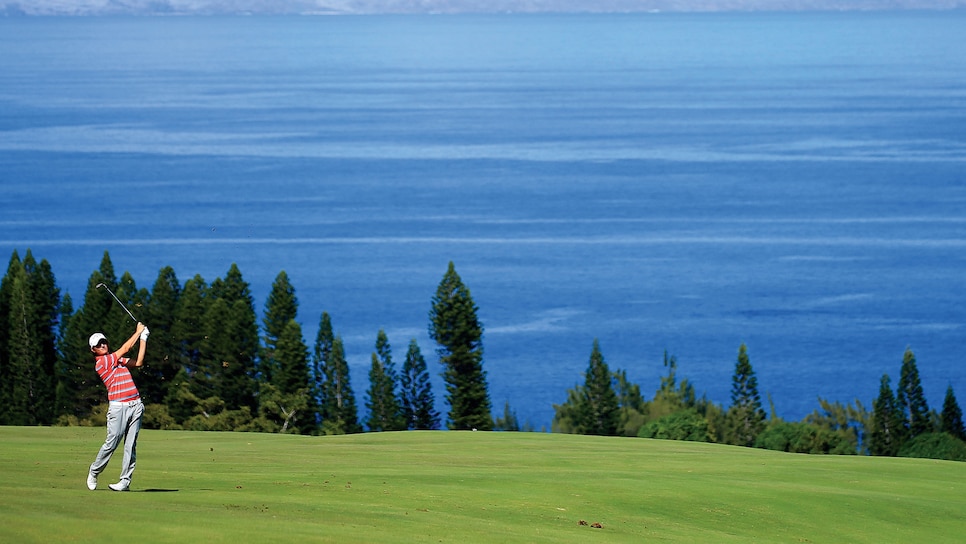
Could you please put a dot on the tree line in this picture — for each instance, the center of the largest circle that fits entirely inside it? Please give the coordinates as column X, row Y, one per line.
column 899, row 424
column 212, row 366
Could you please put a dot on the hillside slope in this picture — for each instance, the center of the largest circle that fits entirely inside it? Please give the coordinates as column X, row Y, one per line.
column 466, row 487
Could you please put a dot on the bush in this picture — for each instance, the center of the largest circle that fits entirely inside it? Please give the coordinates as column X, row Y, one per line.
column 156, row 416
column 683, row 425
column 801, row 437
column 935, row 446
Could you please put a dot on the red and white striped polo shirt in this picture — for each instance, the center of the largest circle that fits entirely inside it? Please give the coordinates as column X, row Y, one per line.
column 117, row 378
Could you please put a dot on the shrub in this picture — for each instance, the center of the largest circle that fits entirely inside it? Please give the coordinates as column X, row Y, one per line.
column 683, row 425
column 802, row 437
column 935, row 446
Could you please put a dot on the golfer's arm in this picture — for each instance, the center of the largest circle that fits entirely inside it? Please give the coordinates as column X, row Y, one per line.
column 122, row 351
column 141, row 347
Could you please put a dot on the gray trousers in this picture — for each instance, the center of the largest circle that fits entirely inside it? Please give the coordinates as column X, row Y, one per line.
column 123, row 422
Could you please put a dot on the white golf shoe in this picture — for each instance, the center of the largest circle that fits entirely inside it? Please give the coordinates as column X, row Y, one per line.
column 120, row 486
column 91, row 481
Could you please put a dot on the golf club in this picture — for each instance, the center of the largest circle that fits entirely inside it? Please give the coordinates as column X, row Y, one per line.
column 99, row 285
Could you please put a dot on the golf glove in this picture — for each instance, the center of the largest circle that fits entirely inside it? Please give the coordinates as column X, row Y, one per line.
column 144, row 334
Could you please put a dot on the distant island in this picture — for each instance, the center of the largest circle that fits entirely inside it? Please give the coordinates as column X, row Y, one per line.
column 13, row 8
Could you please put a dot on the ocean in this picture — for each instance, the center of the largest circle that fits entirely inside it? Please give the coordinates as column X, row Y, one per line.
column 676, row 183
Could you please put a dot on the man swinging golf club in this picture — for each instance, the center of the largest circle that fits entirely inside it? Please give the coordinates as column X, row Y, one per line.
column 124, row 413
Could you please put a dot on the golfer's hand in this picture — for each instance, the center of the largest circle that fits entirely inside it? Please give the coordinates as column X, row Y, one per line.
column 144, row 334
column 139, row 328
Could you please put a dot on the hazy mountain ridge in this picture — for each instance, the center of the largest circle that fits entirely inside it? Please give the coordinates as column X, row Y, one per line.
column 362, row 7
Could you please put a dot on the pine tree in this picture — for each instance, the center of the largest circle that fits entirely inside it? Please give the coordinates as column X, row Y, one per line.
column 886, row 434
column 232, row 287
column 160, row 361
column 292, row 356
column 116, row 324
column 630, row 403
column 566, row 416
column 911, row 400
column 280, row 308
column 230, row 352
column 339, row 412
column 416, row 392
column 64, row 394
column 599, row 412
column 42, row 288
column 508, row 421
column 188, row 328
column 240, row 387
column 457, row 331
column 746, row 418
column 191, row 382
column 952, row 416
column 79, row 388
column 215, row 354
column 321, row 355
column 6, row 318
column 293, row 380
column 134, row 300
column 384, row 411
column 30, row 294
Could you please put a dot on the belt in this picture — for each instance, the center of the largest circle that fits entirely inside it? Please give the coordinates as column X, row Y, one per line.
column 125, row 403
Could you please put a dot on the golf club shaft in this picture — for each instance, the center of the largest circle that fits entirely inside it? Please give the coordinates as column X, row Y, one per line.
column 118, row 301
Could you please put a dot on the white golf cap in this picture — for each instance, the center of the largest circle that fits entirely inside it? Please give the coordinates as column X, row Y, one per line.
column 96, row 339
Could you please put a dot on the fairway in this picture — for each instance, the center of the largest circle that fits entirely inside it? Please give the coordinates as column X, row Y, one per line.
column 465, row 487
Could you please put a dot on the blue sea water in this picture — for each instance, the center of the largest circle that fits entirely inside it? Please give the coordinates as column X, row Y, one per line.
column 687, row 183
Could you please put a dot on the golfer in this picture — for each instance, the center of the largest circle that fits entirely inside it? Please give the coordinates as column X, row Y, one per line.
column 124, row 413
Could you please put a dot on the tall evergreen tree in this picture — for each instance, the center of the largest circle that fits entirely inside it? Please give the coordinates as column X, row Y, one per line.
column 951, row 417
column 79, row 388
column 886, row 434
column 746, row 418
column 240, row 388
column 188, row 328
column 381, row 401
column 599, row 412
column 116, row 323
column 417, row 392
column 293, row 360
column 339, row 412
column 293, row 379
column 671, row 396
column 42, row 287
column 238, row 341
column 630, row 404
column 215, row 353
column 160, row 362
column 508, row 421
column 63, row 392
column 30, row 324
column 191, row 382
column 566, row 416
column 232, row 287
column 322, row 354
column 454, row 325
column 133, row 298
column 911, row 400
column 6, row 318
column 280, row 308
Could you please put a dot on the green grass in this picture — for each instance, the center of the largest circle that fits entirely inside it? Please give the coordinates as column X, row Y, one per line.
column 465, row 488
